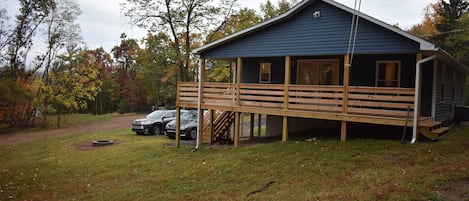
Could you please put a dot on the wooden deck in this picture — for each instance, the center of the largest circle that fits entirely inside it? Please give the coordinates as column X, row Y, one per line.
column 376, row 105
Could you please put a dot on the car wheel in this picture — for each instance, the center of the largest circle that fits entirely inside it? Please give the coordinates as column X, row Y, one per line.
column 193, row 134
column 139, row 133
column 157, row 130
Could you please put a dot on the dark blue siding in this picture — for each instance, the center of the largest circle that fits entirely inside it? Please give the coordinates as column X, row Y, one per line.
column 302, row 34
column 445, row 105
column 363, row 71
column 251, row 69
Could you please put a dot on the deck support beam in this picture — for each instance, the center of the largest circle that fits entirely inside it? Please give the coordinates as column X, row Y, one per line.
column 178, row 126
column 285, row 97
column 251, row 128
column 343, row 129
column 259, row 125
column 211, row 125
column 239, row 73
column 236, row 129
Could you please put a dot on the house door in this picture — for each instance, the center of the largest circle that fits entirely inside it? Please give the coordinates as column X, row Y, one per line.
column 318, row 72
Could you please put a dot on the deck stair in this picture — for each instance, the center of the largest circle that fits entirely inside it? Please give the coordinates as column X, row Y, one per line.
column 432, row 129
column 221, row 124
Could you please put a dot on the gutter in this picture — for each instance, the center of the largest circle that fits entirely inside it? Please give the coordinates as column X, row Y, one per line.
column 416, row 96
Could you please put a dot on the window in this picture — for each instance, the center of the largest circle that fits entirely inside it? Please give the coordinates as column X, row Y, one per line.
column 264, row 76
column 318, row 72
column 388, row 73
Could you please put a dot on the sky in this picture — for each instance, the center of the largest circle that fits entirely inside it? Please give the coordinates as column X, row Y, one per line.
column 101, row 21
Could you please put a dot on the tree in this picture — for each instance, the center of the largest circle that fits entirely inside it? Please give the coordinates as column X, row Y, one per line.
column 453, row 28
column 244, row 18
column 60, row 28
column 155, row 70
column 4, row 34
column 269, row 10
column 107, row 97
column 180, row 19
column 14, row 48
column 73, row 83
column 132, row 95
column 427, row 28
column 32, row 14
column 445, row 24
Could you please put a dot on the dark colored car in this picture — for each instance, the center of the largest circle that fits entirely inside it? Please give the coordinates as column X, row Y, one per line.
column 188, row 126
column 153, row 123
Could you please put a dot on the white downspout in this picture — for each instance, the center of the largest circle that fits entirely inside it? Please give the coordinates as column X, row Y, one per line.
column 416, row 96
column 199, row 105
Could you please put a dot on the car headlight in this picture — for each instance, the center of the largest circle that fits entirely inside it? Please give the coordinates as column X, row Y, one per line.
column 146, row 122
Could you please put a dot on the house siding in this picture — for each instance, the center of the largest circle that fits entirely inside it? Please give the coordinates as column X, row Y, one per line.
column 447, row 79
column 251, row 69
column 303, row 34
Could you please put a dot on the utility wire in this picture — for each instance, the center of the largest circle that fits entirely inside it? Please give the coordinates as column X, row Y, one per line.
column 356, row 30
column 353, row 31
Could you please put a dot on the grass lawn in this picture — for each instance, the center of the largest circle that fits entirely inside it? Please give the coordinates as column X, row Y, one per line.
column 73, row 119
column 143, row 168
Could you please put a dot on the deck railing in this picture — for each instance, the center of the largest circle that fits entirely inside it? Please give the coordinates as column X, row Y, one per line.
column 372, row 101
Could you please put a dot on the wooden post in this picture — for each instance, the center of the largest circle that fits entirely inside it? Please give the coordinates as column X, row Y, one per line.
column 211, row 126
column 343, row 129
column 241, row 124
column 239, row 72
column 200, row 123
column 285, row 97
column 178, row 126
column 251, row 129
column 419, row 96
column 259, row 125
column 236, row 130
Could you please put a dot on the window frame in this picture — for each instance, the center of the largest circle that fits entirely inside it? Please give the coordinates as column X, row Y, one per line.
column 377, row 73
column 262, row 73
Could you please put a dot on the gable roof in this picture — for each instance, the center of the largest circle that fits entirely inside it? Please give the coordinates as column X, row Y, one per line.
column 424, row 45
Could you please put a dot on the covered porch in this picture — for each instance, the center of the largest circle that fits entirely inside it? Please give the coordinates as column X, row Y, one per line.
column 343, row 103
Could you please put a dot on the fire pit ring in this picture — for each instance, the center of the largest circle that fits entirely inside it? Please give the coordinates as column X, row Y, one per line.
column 103, row 142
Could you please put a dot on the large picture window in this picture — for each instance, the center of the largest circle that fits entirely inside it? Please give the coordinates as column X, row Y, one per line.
column 388, row 73
column 318, row 72
column 265, row 71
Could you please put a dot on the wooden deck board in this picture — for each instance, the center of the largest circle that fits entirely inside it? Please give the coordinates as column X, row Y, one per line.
column 375, row 105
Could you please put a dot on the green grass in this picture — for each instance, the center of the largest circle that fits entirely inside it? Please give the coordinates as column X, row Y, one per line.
column 67, row 121
column 142, row 168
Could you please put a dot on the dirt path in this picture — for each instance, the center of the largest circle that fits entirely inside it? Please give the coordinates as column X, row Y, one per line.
column 114, row 123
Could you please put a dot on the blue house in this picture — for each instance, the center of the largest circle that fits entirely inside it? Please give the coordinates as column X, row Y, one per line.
column 297, row 68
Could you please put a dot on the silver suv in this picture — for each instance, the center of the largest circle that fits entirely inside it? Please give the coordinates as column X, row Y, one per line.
column 153, row 123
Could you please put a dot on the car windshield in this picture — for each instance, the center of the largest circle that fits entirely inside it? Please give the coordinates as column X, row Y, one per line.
column 191, row 116
column 156, row 114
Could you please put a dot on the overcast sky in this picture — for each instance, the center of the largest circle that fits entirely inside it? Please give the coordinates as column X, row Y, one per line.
column 101, row 21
